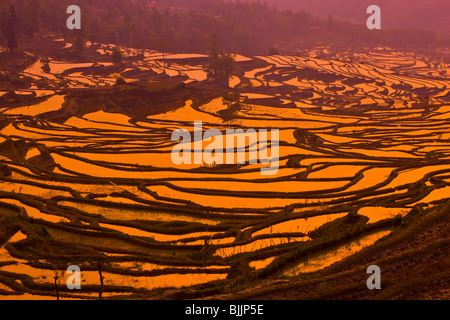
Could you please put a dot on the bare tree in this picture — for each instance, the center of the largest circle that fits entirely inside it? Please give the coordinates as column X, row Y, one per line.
column 100, row 293
column 56, row 277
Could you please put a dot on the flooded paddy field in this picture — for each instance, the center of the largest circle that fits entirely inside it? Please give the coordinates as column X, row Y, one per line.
column 87, row 178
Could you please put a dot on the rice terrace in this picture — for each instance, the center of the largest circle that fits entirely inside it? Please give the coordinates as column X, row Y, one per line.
column 87, row 176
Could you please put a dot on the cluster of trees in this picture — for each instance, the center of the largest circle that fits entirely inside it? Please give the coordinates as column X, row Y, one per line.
column 233, row 103
column 186, row 26
column 180, row 25
column 220, row 65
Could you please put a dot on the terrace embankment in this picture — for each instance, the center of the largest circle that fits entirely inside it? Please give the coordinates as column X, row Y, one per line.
column 138, row 99
column 414, row 263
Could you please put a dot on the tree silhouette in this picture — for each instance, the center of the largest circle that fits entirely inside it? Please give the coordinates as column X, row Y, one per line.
column 228, row 64
column 35, row 18
column 116, row 56
column 164, row 46
column 220, row 66
column 229, row 115
column 11, row 36
column 94, row 31
column 79, row 42
column 13, row 15
column 215, row 48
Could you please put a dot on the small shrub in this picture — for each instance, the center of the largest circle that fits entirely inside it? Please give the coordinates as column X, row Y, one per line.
column 116, row 56
column 119, row 78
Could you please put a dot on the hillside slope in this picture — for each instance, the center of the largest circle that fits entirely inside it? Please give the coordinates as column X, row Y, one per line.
column 173, row 26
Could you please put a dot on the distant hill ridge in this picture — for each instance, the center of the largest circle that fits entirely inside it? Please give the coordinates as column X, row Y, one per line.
column 251, row 28
column 399, row 14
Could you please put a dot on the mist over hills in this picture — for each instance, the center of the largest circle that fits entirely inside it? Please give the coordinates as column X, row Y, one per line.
column 399, row 14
